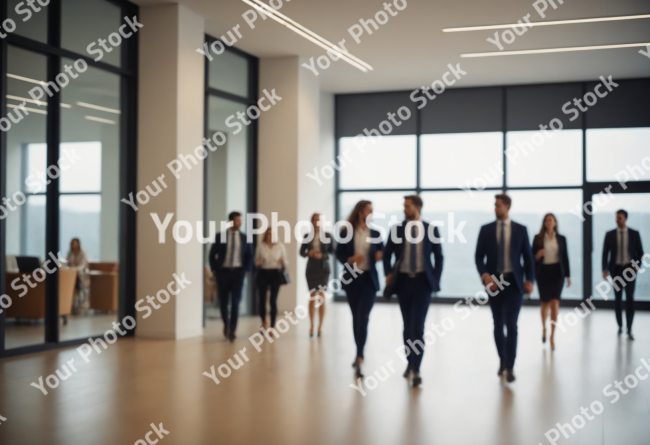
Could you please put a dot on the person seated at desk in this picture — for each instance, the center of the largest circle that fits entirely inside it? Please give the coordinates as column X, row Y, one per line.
column 76, row 259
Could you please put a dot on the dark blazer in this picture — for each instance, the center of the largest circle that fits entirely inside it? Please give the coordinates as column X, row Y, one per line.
column 346, row 250
column 562, row 252
column 433, row 271
column 218, row 253
column 610, row 248
column 314, row 266
column 487, row 253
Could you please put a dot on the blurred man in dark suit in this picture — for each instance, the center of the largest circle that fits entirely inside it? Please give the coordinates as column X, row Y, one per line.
column 501, row 247
column 231, row 256
column 622, row 250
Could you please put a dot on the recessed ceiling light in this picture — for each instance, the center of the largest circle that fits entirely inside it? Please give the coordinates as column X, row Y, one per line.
column 309, row 35
column 32, row 101
column 553, row 50
column 31, row 110
column 556, row 22
column 24, row 79
column 97, row 107
column 99, row 119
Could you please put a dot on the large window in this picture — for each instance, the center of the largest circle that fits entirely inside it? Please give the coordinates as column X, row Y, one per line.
column 470, row 144
column 611, row 150
column 462, row 160
column 72, row 156
column 557, row 162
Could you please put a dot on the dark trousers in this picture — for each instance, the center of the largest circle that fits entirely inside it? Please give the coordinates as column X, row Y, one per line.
column 505, row 313
column 414, row 296
column 361, row 297
column 230, row 283
column 629, row 297
column 268, row 279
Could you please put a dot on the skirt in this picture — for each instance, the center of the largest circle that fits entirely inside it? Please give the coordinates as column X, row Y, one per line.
column 315, row 281
column 550, row 282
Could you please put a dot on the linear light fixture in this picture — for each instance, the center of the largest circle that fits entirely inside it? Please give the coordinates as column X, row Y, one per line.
column 97, row 107
column 24, row 79
column 553, row 50
column 32, row 101
column 32, row 110
column 99, row 119
column 309, row 35
column 556, row 22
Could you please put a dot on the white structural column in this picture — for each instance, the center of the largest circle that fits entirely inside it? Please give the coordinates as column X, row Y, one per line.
column 289, row 147
column 170, row 124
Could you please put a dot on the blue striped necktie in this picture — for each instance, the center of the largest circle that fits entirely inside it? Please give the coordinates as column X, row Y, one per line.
column 231, row 261
column 501, row 259
column 413, row 258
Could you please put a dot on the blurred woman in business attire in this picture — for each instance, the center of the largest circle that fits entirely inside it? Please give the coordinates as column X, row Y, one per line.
column 362, row 290
column 551, row 268
column 77, row 260
column 318, row 270
column 270, row 259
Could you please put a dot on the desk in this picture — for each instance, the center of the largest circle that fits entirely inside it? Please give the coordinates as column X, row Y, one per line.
column 32, row 304
column 103, row 290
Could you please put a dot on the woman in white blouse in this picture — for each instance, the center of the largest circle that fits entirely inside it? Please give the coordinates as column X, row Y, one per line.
column 551, row 268
column 362, row 251
column 270, row 259
column 77, row 260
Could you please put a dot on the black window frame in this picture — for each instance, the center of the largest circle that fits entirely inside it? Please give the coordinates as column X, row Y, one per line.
column 128, row 72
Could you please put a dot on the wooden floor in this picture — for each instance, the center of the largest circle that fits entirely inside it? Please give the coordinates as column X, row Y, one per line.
column 296, row 391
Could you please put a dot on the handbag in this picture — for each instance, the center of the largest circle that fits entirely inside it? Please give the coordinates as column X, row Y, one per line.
column 284, row 276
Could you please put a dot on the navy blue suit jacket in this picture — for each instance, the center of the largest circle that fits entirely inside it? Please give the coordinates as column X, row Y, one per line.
column 219, row 249
column 429, row 248
column 610, row 248
column 487, row 249
column 346, row 250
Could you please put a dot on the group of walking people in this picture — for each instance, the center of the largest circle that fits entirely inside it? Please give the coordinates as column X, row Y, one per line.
column 412, row 261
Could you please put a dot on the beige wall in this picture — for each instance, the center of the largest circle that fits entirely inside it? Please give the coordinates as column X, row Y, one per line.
column 170, row 123
column 290, row 145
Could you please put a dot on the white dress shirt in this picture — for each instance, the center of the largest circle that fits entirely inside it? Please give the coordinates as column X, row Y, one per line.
column 405, row 267
column 233, row 242
column 315, row 243
column 507, row 260
column 271, row 255
column 622, row 237
column 362, row 246
column 551, row 250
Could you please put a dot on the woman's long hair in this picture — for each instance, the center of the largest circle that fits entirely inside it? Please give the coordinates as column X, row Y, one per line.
column 353, row 219
column 539, row 239
column 267, row 234
column 78, row 243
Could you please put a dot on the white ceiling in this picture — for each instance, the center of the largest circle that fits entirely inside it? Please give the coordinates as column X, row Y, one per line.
column 411, row 50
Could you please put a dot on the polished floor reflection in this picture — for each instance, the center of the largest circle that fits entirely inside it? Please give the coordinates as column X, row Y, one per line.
column 296, row 391
column 26, row 333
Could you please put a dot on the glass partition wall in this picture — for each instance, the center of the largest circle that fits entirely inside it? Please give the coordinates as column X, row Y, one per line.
column 63, row 168
column 230, row 172
column 469, row 144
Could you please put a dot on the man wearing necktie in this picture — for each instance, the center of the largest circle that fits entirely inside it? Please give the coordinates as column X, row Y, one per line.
column 501, row 247
column 231, row 257
column 414, row 243
column 622, row 252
